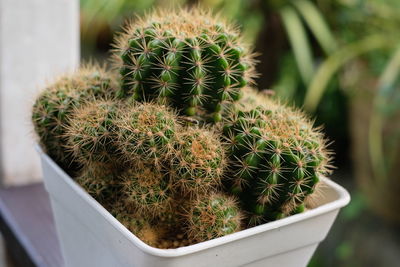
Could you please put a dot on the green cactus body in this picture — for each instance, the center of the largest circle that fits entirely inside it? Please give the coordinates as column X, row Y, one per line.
column 146, row 190
column 55, row 104
column 100, row 181
column 213, row 216
column 277, row 158
column 142, row 228
column 91, row 132
column 187, row 59
column 146, row 132
column 198, row 161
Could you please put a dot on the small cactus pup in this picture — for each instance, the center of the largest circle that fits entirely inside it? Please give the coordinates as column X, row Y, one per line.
column 146, row 190
column 212, row 216
column 91, row 132
column 146, row 231
column 276, row 157
column 55, row 104
column 190, row 59
column 146, row 131
column 100, row 182
column 198, row 161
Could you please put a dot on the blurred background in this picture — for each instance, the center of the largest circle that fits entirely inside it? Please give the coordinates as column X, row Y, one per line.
column 340, row 61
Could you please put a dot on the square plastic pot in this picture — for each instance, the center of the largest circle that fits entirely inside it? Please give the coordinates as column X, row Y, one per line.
column 91, row 236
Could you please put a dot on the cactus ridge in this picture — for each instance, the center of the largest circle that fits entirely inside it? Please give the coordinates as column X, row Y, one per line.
column 277, row 158
column 186, row 58
column 146, row 190
column 213, row 216
column 91, row 132
column 56, row 103
column 146, row 132
column 198, row 162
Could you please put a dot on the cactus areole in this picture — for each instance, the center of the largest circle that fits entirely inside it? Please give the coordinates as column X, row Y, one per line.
column 189, row 59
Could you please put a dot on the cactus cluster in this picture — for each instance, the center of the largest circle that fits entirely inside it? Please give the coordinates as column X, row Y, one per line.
column 188, row 58
column 177, row 148
column 140, row 158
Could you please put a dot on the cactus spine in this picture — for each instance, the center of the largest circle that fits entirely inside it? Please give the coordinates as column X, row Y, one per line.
column 141, row 154
column 100, row 181
column 186, row 58
column 149, row 233
column 55, row 104
column 91, row 132
column 146, row 132
column 198, row 161
column 146, row 190
column 277, row 158
column 213, row 216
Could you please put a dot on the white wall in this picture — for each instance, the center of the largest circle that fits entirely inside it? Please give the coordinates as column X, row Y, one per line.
column 38, row 39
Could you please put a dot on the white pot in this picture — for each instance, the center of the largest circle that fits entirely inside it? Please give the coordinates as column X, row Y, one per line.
column 91, row 236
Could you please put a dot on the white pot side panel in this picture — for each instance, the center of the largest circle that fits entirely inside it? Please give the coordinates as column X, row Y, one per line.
column 39, row 39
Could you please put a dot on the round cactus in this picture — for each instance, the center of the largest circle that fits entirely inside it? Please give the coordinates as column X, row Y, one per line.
column 213, row 216
column 100, row 181
column 143, row 229
column 146, row 131
column 276, row 156
column 198, row 162
column 55, row 104
column 91, row 132
column 189, row 59
column 146, row 190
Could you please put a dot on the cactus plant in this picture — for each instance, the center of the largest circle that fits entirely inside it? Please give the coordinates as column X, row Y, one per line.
column 100, row 182
column 91, row 132
column 189, row 59
column 213, row 216
column 277, row 157
column 146, row 231
column 54, row 105
column 143, row 153
column 198, row 162
column 146, row 132
column 146, row 190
